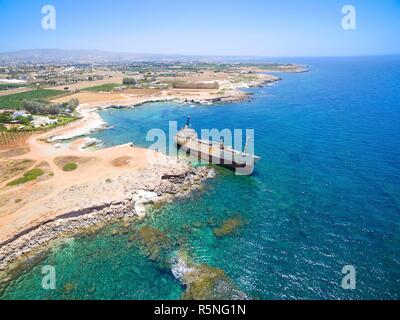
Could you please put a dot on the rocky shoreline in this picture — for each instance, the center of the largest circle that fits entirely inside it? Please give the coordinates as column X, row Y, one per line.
column 124, row 196
column 138, row 190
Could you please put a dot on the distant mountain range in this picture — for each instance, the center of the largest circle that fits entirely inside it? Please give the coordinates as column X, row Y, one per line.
column 98, row 56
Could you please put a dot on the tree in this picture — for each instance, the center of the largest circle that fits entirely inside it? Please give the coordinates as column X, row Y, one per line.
column 35, row 107
column 5, row 118
column 129, row 81
column 73, row 103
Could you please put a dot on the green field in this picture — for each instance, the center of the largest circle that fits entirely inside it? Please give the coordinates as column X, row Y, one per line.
column 103, row 87
column 6, row 86
column 14, row 101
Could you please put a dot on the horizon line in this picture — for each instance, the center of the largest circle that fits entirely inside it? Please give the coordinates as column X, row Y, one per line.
column 209, row 55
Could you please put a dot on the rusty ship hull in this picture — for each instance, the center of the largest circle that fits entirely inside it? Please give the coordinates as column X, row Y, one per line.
column 211, row 152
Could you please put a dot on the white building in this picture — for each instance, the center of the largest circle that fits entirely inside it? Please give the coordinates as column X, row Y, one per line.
column 20, row 113
column 43, row 121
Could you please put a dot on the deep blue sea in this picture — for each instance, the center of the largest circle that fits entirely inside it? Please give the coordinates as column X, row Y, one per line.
column 326, row 194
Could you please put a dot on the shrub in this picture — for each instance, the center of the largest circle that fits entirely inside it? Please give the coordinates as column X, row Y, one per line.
column 71, row 166
column 28, row 176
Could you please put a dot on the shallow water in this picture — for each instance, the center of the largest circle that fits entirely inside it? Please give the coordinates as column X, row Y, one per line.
column 325, row 194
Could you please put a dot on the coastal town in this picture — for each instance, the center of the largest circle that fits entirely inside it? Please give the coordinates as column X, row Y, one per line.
column 37, row 97
column 55, row 180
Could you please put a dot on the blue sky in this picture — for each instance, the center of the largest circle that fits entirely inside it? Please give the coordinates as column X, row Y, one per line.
column 217, row 27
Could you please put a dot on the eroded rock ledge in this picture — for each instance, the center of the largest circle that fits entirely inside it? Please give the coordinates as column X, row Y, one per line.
column 123, row 196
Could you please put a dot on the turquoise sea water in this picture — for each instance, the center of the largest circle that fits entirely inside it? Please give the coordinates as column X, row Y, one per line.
column 325, row 194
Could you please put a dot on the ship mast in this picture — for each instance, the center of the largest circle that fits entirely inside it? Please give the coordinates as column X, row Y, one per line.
column 188, row 122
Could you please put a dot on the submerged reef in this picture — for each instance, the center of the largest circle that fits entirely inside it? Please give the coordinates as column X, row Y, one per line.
column 153, row 242
column 229, row 226
column 204, row 282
